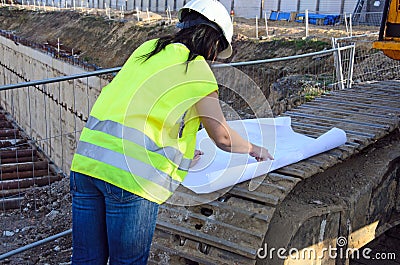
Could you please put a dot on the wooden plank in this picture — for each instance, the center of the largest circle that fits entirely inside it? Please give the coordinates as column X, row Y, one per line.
column 22, row 167
column 9, row 132
column 12, row 192
column 18, row 160
column 28, row 182
column 5, row 124
column 17, row 153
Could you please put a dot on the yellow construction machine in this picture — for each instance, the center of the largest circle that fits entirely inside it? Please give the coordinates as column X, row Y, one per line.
column 389, row 35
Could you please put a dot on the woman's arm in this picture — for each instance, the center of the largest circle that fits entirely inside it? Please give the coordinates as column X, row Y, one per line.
column 224, row 137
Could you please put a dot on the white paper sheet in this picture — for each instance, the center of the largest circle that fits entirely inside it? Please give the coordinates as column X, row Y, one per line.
column 218, row 169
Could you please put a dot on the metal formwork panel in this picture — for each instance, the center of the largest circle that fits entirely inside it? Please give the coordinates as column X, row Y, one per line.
column 130, row 5
column 161, row 6
column 149, row 5
column 329, row 6
column 170, row 4
column 248, row 9
column 288, row 5
column 270, row 6
column 349, row 6
column 308, row 4
column 179, row 4
column 143, row 5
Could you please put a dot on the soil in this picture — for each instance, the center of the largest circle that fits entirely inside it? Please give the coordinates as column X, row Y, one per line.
column 44, row 212
column 108, row 43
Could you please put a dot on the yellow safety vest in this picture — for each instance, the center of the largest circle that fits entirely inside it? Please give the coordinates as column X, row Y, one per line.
column 133, row 138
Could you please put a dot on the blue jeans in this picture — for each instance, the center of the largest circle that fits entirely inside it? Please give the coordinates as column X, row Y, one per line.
column 109, row 223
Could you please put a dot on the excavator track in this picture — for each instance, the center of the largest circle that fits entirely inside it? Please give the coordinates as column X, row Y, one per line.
column 229, row 226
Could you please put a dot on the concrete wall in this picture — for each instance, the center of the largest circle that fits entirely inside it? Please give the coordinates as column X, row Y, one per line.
column 52, row 114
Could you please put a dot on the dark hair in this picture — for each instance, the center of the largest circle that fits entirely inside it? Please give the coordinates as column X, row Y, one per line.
column 201, row 39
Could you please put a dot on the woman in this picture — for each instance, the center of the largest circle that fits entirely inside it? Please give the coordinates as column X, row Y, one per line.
column 138, row 143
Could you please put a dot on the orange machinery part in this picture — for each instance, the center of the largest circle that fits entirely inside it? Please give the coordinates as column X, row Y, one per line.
column 390, row 44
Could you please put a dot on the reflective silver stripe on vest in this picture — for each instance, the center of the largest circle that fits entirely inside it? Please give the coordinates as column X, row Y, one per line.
column 128, row 164
column 130, row 134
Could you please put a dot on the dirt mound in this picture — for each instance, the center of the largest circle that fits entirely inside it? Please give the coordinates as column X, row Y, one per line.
column 108, row 43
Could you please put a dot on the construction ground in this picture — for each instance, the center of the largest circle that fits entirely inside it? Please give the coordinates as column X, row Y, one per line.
column 108, row 43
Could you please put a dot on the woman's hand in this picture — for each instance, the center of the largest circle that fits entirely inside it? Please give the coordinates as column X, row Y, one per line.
column 196, row 158
column 223, row 136
column 260, row 153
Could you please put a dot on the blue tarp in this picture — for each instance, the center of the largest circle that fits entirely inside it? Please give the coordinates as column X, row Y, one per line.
column 313, row 18
column 279, row 16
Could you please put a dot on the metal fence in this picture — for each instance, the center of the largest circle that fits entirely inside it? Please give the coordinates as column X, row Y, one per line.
column 51, row 113
column 369, row 64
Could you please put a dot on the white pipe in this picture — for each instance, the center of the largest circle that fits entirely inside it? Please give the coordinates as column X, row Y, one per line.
column 266, row 25
column 306, row 18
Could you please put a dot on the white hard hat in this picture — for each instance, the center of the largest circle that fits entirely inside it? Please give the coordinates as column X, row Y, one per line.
column 215, row 12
